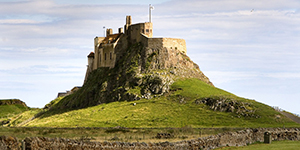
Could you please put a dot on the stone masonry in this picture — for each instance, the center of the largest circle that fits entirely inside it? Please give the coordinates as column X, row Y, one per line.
column 239, row 138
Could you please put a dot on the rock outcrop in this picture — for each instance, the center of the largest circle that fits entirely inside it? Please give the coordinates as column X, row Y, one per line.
column 225, row 104
column 141, row 72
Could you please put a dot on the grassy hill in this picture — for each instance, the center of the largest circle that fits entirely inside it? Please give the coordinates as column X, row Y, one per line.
column 11, row 108
column 178, row 108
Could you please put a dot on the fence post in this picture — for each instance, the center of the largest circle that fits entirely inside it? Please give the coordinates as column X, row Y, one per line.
column 23, row 146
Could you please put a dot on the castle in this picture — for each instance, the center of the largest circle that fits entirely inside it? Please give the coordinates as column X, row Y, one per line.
column 108, row 50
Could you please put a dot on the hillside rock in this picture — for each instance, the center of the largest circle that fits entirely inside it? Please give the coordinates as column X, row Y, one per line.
column 225, row 104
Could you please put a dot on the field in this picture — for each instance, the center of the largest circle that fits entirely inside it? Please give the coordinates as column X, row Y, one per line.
column 276, row 145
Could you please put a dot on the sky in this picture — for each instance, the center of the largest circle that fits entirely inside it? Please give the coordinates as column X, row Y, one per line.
column 249, row 48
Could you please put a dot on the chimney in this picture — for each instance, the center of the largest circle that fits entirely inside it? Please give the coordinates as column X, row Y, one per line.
column 109, row 32
column 120, row 30
column 128, row 20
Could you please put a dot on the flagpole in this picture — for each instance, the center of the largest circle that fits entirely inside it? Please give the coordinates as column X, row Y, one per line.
column 149, row 12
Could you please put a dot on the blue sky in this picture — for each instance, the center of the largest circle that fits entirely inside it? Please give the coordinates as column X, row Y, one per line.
column 249, row 48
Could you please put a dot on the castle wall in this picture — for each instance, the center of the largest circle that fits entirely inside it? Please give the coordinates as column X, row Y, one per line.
column 107, row 56
column 155, row 42
column 177, row 44
column 135, row 30
column 121, row 47
column 170, row 43
column 97, row 41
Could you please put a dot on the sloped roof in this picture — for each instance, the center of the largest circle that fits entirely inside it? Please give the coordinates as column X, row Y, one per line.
column 91, row 54
column 111, row 38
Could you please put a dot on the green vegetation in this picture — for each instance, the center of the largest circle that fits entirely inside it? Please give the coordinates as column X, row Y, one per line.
column 24, row 117
column 176, row 109
column 10, row 109
column 276, row 145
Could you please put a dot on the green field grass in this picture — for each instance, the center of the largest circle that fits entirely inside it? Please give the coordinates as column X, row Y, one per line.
column 165, row 111
column 24, row 116
column 8, row 112
column 276, row 145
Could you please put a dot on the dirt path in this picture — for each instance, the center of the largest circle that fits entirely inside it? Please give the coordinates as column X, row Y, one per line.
column 293, row 117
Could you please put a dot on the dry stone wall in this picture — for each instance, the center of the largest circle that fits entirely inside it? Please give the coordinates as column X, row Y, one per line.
column 239, row 138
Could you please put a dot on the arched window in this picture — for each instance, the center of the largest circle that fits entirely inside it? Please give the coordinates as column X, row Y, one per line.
column 110, row 56
column 105, row 56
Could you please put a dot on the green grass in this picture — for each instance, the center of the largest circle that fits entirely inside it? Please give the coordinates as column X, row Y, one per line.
column 9, row 111
column 276, row 145
column 194, row 88
column 23, row 116
column 165, row 111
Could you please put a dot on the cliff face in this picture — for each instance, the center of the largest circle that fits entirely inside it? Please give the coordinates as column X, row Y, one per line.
column 141, row 72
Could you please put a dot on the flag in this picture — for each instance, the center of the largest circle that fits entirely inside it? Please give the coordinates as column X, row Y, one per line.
column 151, row 7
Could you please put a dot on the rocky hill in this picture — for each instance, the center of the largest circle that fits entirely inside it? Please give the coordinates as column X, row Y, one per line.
column 157, row 87
column 12, row 102
column 140, row 73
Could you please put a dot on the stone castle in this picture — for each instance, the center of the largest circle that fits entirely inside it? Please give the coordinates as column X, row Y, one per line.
column 108, row 50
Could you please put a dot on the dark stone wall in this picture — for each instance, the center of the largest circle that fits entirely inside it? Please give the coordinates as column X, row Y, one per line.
column 239, row 138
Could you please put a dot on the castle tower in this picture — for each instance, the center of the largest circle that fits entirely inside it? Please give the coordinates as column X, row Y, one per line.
column 90, row 65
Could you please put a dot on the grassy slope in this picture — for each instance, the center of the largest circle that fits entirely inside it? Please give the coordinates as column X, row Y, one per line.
column 8, row 111
column 165, row 111
column 276, row 145
column 24, row 116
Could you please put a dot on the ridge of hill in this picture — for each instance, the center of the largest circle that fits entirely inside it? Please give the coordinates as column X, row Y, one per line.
column 12, row 102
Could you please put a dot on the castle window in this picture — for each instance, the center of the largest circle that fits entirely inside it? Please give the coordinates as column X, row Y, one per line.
column 105, row 56
column 110, row 56
column 100, row 57
column 147, row 30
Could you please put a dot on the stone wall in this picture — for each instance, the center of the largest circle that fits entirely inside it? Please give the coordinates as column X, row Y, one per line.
column 155, row 42
column 9, row 143
column 169, row 43
column 177, row 44
column 239, row 138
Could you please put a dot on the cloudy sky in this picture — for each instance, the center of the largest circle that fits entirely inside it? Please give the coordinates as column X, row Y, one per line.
column 249, row 48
